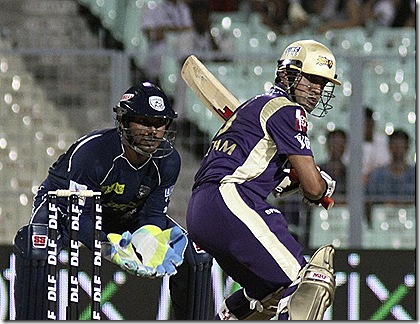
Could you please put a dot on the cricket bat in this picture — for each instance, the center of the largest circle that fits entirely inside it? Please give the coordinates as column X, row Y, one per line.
column 219, row 100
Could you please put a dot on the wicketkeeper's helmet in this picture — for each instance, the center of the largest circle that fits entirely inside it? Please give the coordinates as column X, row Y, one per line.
column 145, row 100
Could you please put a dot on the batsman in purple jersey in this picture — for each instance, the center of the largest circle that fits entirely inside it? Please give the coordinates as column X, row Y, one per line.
column 135, row 167
column 249, row 157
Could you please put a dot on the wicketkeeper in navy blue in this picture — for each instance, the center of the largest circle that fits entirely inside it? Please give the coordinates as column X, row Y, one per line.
column 135, row 167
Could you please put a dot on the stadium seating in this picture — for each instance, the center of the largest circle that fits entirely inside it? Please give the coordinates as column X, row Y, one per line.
column 393, row 227
column 32, row 135
column 329, row 227
column 34, row 129
column 391, row 77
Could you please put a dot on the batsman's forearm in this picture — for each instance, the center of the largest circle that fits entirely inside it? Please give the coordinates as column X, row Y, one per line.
column 326, row 202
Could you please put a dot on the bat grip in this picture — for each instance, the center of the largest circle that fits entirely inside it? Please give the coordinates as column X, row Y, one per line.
column 326, row 202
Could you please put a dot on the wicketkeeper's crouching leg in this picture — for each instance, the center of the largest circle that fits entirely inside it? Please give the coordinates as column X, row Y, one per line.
column 191, row 286
column 31, row 273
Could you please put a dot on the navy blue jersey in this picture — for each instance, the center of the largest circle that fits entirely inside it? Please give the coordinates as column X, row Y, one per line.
column 131, row 196
column 275, row 128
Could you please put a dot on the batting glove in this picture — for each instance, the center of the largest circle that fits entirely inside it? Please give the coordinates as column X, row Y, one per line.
column 160, row 250
column 287, row 187
column 119, row 250
column 330, row 183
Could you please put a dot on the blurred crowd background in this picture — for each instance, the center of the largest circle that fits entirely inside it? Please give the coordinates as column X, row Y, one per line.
column 64, row 65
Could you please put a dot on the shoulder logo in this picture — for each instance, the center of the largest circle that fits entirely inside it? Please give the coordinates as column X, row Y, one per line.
column 168, row 191
column 157, row 103
column 300, row 121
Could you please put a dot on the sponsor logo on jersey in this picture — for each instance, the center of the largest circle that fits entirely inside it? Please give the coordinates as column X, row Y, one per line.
column 303, row 141
column 116, row 187
column 120, row 207
column 272, row 211
column 143, row 191
column 292, row 51
column 39, row 241
column 300, row 122
column 157, row 103
column 127, row 96
column 168, row 191
column 225, row 146
column 322, row 60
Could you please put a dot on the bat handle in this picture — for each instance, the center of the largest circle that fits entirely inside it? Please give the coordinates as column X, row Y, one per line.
column 326, row 202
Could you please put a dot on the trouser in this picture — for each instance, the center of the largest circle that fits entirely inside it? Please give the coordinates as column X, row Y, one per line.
column 248, row 238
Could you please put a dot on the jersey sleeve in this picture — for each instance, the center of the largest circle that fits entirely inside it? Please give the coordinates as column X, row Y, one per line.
column 156, row 207
column 288, row 128
column 84, row 173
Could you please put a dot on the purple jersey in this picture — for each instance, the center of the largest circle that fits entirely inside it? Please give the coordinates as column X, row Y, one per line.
column 228, row 215
column 275, row 127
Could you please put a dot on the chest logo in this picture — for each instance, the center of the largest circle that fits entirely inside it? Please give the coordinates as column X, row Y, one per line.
column 116, row 187
column 143, row 191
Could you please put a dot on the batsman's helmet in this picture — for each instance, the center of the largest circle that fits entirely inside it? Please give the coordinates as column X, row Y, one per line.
column 312, row 58
column 145, row 100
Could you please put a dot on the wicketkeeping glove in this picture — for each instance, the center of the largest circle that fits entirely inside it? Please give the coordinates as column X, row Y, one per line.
column 160, row 250
column 119, row 250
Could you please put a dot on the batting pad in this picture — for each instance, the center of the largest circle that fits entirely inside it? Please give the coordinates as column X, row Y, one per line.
column 315, row 292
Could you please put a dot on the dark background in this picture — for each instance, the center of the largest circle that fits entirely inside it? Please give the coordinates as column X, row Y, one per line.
column 138, row 298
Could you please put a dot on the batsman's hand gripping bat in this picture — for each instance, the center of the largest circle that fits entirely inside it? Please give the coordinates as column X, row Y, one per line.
column 219, row 100
column 326, row 202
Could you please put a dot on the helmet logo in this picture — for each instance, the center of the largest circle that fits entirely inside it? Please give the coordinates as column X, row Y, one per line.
column 127, row 96
column 322, row 60
column 292, row 51
column 157, row 103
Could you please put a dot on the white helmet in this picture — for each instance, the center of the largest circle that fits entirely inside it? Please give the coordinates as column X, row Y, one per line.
column 310, row 57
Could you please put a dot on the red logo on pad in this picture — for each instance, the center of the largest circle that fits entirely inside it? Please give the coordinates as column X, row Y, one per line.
column 39, row 241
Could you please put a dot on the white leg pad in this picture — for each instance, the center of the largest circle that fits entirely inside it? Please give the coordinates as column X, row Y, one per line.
column 315, row 292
